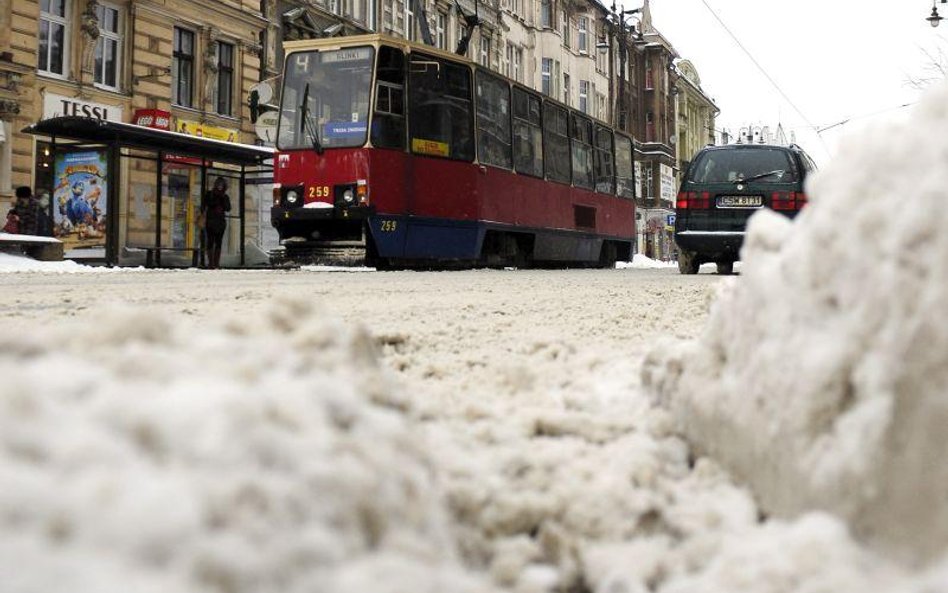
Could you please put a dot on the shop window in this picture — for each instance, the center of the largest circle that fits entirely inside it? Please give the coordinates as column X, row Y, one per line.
column 493, row 121
column 556, row 143
column 625, row 178
column 527, row 134
column 604, row 161
column 581, row 151
column 441, row 114
column 225, row 78
column 108, row 49
column 53, row 49
column 182, row 68
column 388, row 125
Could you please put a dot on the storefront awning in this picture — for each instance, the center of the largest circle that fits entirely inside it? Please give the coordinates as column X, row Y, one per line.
column 86, row 129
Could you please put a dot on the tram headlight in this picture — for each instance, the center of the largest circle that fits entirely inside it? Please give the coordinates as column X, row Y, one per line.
column 348, row 196
column 292, row 197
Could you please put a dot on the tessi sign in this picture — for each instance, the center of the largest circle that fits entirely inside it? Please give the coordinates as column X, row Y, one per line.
column 57, row 105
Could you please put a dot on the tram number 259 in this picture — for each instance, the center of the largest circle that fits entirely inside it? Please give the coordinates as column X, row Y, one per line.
column 389, row 226
column 319, row 191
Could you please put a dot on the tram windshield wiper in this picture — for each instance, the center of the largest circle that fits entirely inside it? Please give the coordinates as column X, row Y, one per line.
column 759, row 176
column 307, row 125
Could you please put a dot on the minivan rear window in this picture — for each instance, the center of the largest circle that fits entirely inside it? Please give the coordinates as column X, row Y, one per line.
column 731, row 165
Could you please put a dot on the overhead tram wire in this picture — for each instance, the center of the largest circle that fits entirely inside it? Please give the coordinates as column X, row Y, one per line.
column 852, row 117
column 762, row 70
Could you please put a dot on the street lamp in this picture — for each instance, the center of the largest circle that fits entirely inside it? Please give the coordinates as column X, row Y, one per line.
column 618, row 29
column 935, row 18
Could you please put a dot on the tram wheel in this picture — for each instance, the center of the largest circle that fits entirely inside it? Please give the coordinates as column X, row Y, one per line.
column 607, row 255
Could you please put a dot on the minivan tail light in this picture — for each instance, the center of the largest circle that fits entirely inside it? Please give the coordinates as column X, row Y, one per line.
column 784, row 201
column 690, row 200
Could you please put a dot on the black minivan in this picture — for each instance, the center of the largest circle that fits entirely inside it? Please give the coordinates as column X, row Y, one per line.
column 722, row 187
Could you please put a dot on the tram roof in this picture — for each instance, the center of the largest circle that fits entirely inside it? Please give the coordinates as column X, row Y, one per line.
column 87, row 129
column 374, row 39
column 371, row 39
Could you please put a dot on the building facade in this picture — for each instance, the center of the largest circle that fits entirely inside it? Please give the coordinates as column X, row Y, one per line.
column 182, row 65
column 696, row 116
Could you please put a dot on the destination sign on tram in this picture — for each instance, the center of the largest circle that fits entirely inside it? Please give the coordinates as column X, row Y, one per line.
column 346, row 55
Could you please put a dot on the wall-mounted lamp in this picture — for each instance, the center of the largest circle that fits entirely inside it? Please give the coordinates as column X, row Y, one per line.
column 602, row 45
column 935, row 18
column 155, row 73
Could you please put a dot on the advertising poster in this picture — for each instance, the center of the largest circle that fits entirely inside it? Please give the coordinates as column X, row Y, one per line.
column 80, row 198
column 194, row 128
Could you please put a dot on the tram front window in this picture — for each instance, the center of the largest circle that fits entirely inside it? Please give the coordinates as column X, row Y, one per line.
column 335, row 86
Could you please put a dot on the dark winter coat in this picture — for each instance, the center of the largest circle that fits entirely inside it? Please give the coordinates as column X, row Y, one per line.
column 215, row 207
column 27, row 211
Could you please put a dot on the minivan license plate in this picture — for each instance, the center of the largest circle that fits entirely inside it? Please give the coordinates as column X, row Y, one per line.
column 739, row 201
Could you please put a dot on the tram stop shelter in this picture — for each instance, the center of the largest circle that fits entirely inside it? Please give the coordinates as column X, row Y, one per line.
column 132, row 194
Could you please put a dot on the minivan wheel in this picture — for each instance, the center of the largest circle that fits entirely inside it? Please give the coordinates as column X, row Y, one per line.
column 725, row 268
column 688, row 262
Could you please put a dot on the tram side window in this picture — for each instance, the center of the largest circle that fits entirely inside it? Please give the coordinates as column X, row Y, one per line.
column 605, row 169
column 581, row 151
column 624, row 168
column 493, row 121
column 527, row 134
column 556, row 143
column 388, row 121
column 441, row 117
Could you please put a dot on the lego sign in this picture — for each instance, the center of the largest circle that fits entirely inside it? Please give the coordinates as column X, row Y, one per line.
column 153, row 118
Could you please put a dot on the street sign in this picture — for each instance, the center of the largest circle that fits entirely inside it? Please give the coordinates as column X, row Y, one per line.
column 670, row 220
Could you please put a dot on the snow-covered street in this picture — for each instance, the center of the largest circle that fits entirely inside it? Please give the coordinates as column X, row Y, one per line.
column 522, row 431
column 494, row 436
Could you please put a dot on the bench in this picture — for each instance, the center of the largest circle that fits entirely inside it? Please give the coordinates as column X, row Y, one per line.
column 153, row 255
column 37, row 247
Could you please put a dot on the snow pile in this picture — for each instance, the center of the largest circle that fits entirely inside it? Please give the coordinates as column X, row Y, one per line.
column 20, row 263
column 585, row 487
column 643, row 262
column 822, row 377
column 269, row 454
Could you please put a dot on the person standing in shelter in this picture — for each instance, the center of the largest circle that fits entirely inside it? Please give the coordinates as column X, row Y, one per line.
column 26, row 210
column 215, row 207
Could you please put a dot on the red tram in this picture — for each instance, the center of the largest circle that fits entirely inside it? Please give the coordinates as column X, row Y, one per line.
column 400, row 154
